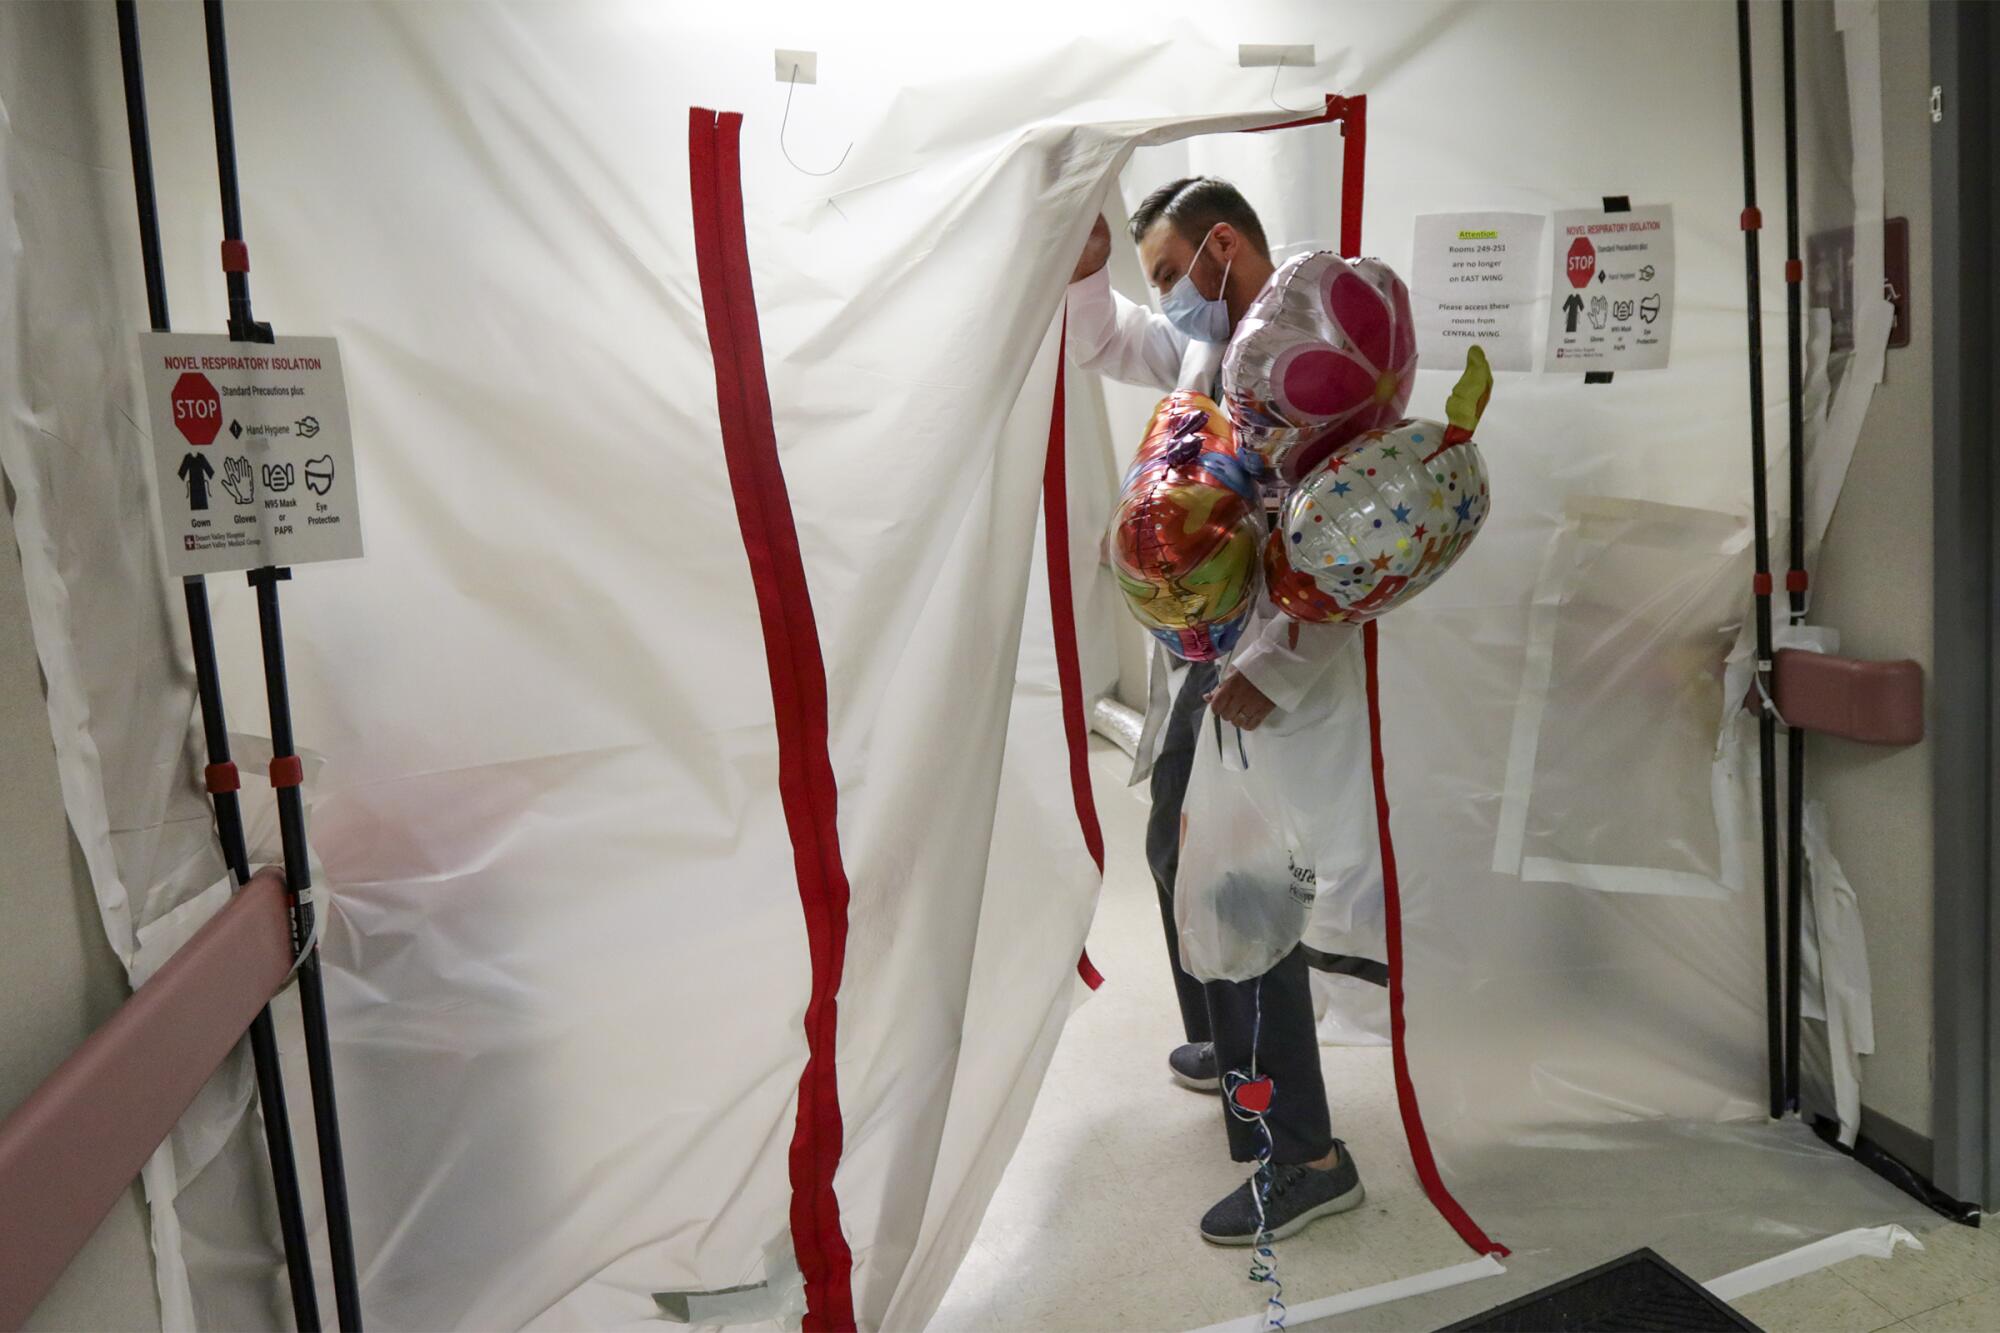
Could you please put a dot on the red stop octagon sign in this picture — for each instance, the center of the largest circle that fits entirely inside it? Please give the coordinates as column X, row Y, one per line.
column 1582, row 261
column 197, row 408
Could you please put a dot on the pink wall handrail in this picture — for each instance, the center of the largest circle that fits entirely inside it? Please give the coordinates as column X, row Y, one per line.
column 70, row 1150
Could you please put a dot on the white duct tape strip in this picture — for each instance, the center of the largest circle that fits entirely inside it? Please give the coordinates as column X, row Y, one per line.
column 1859, row 22
column 1402, row 1289
column 1869, row 1242
column 1551, row 585
column 1620, row 879
column 778, row 1301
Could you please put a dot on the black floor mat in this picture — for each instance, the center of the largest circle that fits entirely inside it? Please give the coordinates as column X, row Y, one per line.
column 1640, row 1293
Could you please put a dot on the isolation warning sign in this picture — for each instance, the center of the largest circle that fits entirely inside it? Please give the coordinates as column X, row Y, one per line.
column 251, row 451
column 1613, row 303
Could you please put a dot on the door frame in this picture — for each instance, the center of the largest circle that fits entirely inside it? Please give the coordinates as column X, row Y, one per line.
column 1965, row 48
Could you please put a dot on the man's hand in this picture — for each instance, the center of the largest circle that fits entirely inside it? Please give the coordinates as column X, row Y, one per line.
column 1095, row 251
column 1239, row 702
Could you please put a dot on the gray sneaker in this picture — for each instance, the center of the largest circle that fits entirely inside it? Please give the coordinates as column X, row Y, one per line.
column 1193, row 1066
column 1298, row 1195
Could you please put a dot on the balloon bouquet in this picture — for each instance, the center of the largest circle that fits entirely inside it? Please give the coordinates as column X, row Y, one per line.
column 1314, row 386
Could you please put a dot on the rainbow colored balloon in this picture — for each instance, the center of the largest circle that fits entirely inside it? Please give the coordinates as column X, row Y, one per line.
column 1326, row 353
column 1385, row 517
column 1187, row 527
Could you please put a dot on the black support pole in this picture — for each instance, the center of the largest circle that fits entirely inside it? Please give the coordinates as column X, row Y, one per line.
column 133, row 65
column 1795, row 575
column 1767, row 734
column 214, row 724
column 242, row 326
column 285, row 779
column 312, row 985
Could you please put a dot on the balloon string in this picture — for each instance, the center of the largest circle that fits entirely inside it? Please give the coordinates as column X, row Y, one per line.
column 1263, row 1260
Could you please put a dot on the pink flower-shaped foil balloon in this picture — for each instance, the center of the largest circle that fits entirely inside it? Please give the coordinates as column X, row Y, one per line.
column 1326, row 353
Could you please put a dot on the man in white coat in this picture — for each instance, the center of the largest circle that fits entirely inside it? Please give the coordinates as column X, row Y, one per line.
column 1204, row 249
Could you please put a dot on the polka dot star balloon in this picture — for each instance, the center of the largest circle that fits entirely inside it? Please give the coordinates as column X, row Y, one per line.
column 1326, row 353
column 1186, row 531
column 1384, row 518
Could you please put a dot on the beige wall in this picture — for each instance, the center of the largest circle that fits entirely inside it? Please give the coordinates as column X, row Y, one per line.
column 1874, row 586
column 58, row 977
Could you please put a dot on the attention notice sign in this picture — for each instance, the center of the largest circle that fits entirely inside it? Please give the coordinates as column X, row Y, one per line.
column 1474, row 281
column 251, row 451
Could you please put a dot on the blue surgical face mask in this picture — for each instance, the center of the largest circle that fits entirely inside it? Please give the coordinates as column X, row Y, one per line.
column 1200, row 318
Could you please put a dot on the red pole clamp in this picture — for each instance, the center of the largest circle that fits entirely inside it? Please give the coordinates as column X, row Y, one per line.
column 221, row 777
column 1795, row 272
column 1795, row 581
column 287, row 771
column 235, row 257
column 1761, row 585
column 1753, row 219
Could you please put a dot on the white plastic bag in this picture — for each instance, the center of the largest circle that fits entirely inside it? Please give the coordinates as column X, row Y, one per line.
column 1247, row 879
column 1278, row 840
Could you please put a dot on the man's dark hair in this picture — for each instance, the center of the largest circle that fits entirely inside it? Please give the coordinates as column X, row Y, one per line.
column 1194, row 204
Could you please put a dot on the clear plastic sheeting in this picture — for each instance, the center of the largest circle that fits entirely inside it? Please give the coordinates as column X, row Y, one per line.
column 1351, row 1010
column 1632, row 611
column 565, row 950
column 1860, row 1243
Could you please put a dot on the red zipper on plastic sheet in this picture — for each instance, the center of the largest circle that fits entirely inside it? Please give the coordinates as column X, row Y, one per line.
column 1406, row 1090
column 1353, row 115
column 1062, row 611
column 798, row 694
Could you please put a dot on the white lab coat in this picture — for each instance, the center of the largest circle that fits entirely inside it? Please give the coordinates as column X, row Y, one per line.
column 1314, row 675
